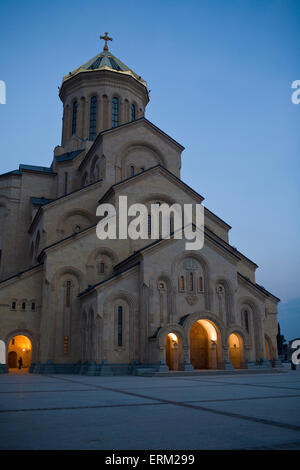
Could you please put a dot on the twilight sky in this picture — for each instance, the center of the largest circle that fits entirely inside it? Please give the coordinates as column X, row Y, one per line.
column 220, row 75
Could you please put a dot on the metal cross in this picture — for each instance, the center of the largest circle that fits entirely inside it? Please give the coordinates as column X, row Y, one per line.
column 106, row 38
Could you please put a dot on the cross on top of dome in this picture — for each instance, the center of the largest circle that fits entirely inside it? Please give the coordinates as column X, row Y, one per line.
column 106, row 38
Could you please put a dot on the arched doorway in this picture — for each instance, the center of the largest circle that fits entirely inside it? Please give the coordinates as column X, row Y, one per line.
column 236, row 350
column 2, row 352
column 268, row 349
column 19, row 347
column 203, row 345
column 173, row 351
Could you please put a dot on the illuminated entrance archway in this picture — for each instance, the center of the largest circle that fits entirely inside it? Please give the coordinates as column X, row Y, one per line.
column 236, row 350
column 19, row 347
column 173, row 351
column 269, row 353
column 203, row 345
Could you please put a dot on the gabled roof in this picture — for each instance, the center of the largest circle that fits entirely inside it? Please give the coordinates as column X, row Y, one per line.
column 39, row 169
column 119, row 273
column 125, row 125
column 37, row 215
column 23, row 167
column 145, row 172
column 20, row 273
column 258, row 287
column 13, row 172
column 121, row 267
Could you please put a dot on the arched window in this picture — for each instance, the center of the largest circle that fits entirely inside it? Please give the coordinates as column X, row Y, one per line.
column 246, row 320
column 13, row 305
column 93, row 117
column 131, row 171
column 181, row 283
column 201, row 284
column 133, row 112
column 74, row 118
column 101, row 268
column 115, row 112
column 191, row 281
column 23, row 305
column 120, row 326
column 68, row 294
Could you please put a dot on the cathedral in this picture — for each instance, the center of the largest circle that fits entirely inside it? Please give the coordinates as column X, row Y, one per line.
column 72, row 303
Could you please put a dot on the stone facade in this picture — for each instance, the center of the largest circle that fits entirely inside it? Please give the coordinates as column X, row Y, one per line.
column 120, row 306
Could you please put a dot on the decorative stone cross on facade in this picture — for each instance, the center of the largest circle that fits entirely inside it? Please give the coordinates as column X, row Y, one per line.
column 106, row 38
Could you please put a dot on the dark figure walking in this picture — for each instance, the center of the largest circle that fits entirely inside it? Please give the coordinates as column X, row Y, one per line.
column 20, row 361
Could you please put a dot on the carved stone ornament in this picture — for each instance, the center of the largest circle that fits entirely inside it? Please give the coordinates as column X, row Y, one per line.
column 191, row 299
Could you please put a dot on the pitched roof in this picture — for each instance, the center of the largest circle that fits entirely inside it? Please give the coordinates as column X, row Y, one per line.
column 39, row 169
column 68, row 155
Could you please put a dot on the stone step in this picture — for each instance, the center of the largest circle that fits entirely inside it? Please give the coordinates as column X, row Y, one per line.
column 145, row 371
column 205, row 372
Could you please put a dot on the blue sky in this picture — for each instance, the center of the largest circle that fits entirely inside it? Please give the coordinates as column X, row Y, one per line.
column 220, row 74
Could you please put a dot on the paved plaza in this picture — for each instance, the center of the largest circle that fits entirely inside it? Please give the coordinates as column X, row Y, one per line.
column 258, row 411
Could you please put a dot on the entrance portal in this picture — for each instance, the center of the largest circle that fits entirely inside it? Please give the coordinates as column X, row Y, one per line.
column 203, row 345
column 236, row 355
column 19, row 348
column 173, row 351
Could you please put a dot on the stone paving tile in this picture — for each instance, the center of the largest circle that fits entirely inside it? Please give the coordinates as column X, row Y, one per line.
column 147, row 427
column 283, row 410
column 218, row 412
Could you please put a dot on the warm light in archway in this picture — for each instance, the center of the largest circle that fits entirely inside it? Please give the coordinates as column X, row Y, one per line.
column 210, row 329
column 21, row 342
column 234, row 341
column 173, row 336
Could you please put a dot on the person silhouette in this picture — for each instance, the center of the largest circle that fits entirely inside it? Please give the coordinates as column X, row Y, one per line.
column 20, row 361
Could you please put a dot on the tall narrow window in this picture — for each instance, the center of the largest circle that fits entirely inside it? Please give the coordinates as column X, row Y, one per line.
column 115, row 112
column 131, row 171
column 93, row 117
column 181, row 283
column 66, row 344
column 133, row 112
column 191, row 281
column 120, row 326
column 201, row 284
column 74, row 119
column 68, row 294
column 13, row 305
column 101, row 268
column 246, row 320
column 149, row 226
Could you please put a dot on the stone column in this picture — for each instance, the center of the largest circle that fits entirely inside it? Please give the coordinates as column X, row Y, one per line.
column 228, row 365
column 186, row 365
